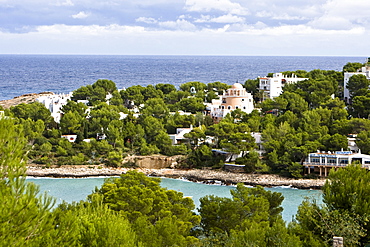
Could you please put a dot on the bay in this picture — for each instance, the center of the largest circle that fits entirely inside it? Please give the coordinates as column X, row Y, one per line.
column 76, row 189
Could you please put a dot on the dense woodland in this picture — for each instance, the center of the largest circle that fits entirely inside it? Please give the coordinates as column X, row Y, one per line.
column 133, row 210
column 306, row 117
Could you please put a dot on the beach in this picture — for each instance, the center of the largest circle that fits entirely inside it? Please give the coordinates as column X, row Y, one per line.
column 195, row 175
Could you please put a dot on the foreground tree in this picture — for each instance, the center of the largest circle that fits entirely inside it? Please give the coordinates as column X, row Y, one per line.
column 25, row 218
column 346, row 211
column 160, row 217
column 252, row 217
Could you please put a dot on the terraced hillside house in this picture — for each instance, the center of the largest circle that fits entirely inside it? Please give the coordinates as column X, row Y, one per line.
column 273, row 86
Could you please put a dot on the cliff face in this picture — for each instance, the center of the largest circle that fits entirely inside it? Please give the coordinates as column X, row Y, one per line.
column 152, row 162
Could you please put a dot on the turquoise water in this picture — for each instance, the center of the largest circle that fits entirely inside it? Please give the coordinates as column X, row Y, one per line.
column 76, row 189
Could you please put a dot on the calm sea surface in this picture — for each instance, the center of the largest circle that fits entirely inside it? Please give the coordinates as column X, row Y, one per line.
column 76, row 189
column 22, row 74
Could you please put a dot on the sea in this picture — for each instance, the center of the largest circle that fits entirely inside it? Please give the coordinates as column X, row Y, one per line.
column 76, row 189
column 24, row 74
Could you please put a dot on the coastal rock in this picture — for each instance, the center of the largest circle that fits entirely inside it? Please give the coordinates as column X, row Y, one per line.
column 25, row 98
column 152, row 162
column 204, row 176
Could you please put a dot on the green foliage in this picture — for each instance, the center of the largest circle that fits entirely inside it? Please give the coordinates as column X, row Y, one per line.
column 192, row 105
column 352, row 67
column 252, row 217
column 94, row 224
column 252, row 162
column 198, row 86
column 345, row 213
column 165, row 88
column 247, row 205
column 34, row 111
column 358, row 85
column 316, row 226
column 155, row 107
column 360, row 106
column 159, row 217
column 202, row 156
column 32, row 129
column 363, row 141
column 25, row 218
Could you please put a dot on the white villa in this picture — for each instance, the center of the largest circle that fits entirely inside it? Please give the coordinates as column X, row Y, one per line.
column 54, row 104
column 273, row 86
column 179, row 136
column 234, row 98
column 363, row 71
column 323, row 162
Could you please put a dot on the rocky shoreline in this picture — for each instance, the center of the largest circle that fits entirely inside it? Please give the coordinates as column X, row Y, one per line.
column 204, row 176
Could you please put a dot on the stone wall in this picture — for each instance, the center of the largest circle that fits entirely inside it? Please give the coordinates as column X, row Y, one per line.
column 152, row 162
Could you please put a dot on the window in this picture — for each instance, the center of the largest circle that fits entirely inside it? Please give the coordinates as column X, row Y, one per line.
column 315, row 160
column 229, row 107
column 242, row 99
column 367, row 161
column 223, row 107
column 236, row 107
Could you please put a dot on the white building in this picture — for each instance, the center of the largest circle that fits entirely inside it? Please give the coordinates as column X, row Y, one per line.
column 234, row 98
column 363, row 71
column 179, row 136
column 54, row 104
column 273, row 86
column 352, row 145
column 323, row 162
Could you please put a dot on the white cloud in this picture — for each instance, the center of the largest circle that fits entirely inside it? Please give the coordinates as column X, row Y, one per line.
column 219, row 5
column 221, row 19
column 179, row 24
column 231, row 39
column 94, row 30
column 342, row 14
column 81, row 15
column 279, row 16
column 147, row 20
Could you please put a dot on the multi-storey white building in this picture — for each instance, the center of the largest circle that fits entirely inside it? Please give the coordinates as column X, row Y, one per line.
column 323, row 162
column 273, row 86
column 54, row 104
column 363, row 71
column 234, row 98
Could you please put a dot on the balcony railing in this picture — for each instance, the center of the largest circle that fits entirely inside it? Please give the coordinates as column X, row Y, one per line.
column 324, row 164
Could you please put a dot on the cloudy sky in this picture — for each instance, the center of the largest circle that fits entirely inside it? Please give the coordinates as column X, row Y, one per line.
column 186, row 27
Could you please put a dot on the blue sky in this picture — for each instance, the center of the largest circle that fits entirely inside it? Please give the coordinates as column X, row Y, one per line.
column 186, row 27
